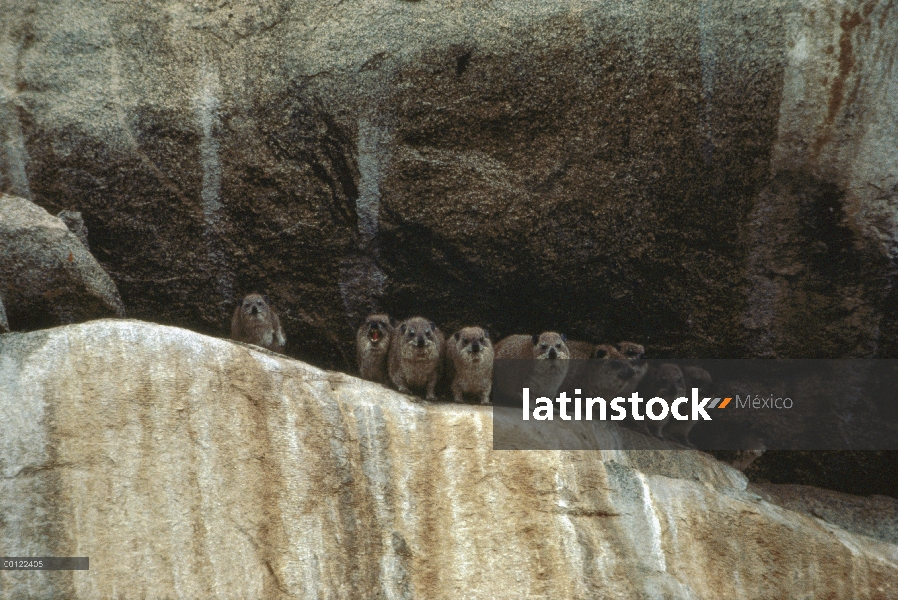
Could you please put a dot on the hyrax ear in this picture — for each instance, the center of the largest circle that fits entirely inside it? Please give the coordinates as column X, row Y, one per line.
column 600, row 353
column 433, row 325
column 534, row 339
column 265, row 298
column 486, row 334
column 457, row 335
column 392, row 322
column 402, row 328
column 563, row 338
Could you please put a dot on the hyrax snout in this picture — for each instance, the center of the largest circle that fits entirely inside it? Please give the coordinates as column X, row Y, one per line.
column 470, row 360
column 415, row 361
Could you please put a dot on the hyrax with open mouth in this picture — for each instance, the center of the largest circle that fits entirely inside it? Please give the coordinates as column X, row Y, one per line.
column 372, row 343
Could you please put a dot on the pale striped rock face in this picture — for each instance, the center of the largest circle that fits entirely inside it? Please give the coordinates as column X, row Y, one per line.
column 186, row 466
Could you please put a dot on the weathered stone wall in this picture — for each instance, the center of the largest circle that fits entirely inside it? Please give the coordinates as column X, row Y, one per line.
column 191, row 467
column 713, row 178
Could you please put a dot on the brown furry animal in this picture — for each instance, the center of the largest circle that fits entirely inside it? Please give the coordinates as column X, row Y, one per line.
column 372, row 342
column 665, row 381
column 416, row 353
column 635, row 355
column 256, row 323
column 547, row 345
column 469, row 355
column 611, row 376
column 580, row 352
column 678, row 431
column 549, row 349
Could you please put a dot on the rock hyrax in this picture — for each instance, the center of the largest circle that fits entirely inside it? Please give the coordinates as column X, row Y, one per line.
column 580, row 352
column 665, row 381
column 256, row 323
column 609, row 375
column 372, row 342
column 416, row 353
column 552, row 355
column 678, row 431
column 469, row 356
column 635, row 355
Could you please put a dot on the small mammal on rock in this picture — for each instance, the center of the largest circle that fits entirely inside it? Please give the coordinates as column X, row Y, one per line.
column 580, row 350
column 416, row 353
column 550, row 350
column 609, row 378
column 469, row 355
column 667, row 382
column 547, row 345
column 372, row 343
column 635, row 355
column 576, row 372
column 255, row 322
column 678, row 431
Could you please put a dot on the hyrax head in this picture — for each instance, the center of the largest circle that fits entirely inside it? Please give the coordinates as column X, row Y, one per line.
column 473, row 341
column 255, row 306
column 550, row 345
column 378, row 329
column 619, row 364
column 671, row 381
column 418, row 332
column 698, row 378
column 633, row 352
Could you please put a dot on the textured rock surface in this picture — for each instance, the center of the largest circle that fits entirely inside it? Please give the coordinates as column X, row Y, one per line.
column 711, row 178
column 874, row 516
column 47, row 276
column 193, row 467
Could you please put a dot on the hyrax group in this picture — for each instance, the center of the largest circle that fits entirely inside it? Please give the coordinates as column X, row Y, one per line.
column 414, row 356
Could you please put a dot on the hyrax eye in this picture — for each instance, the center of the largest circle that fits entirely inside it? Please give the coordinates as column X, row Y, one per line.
column 543, row 346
